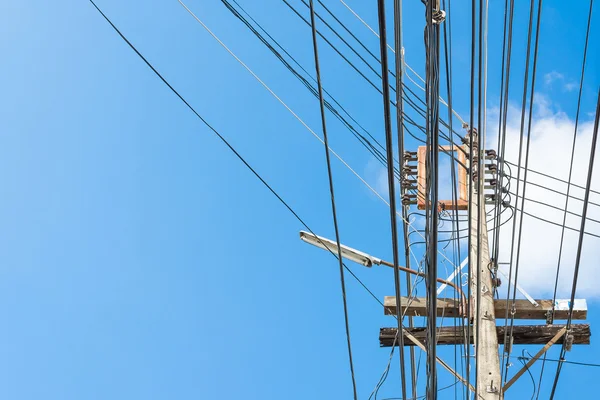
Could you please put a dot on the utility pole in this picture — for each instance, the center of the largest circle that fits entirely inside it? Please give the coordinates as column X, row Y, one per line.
column 482, row 291
column 481, row 315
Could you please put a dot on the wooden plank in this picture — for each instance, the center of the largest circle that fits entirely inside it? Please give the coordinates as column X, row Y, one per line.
column 448, row 307
column 522, row 334
column 461, row 202
column 544, row 349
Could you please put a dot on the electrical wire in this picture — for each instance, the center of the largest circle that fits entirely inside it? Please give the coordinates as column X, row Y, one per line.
column 502, row 133
column 405, row 64
column 353, row 66
column 522, row 361
column 509, row 332
column 431, row 38
column 229, row 146
column 391, row 179
column 530, row 116
column 332, row 195
column 572, row 184
column 580, row 243
column 581, row 79
column 399, row 64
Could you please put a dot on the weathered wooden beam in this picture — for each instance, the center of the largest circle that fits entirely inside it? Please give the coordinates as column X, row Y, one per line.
column 448, row 307
column 522, row 334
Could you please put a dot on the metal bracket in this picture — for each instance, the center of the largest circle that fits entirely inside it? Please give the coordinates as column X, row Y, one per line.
column 438, row 16
column 488, row 316
column 491, row 388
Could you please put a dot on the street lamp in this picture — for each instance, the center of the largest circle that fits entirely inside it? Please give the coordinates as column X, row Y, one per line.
column 368, row 260
column 347, row 252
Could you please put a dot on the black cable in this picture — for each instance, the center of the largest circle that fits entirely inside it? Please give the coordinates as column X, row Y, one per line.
column 470, row 197
column 331, row 192
column 238, row 155
column 371, row 83
column 556, row 191
column 343, row 40
column 581, row 79
column 565, row 362
column 503, row 118
column 455, row 219
column 560, row 209
column 508, row 332
column 399, row 67
column 350, row 32
column 580, row 243
column 480, row 196
column 555, row 178
column 530, row 116
column 496, row 237
column 465, row 237
column 391, row 177
column 432, row 33
column 376, row 152
column 521, row 359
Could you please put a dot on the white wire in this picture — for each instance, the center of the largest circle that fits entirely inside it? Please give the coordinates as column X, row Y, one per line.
column 302, row 122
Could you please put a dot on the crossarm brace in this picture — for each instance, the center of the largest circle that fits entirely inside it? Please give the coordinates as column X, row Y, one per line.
column 544, row 349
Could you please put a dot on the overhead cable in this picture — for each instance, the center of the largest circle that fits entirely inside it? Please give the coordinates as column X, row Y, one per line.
column 579, row 244
column 332, row 195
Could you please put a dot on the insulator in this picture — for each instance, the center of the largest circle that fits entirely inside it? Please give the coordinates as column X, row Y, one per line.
column 492, row 181
column 492, row 167
column 491, row 154
column 569, row 341
column 496, row 282
column 505, row 203
column 407, row 171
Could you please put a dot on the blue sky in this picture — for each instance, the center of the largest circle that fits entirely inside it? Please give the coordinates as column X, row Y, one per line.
column 140, row 259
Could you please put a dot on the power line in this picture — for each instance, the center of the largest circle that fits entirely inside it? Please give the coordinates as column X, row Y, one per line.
column 562, row 235
column 391, row 178
column 555, row 178
column 233, row 150
column 509, row 332
column 376, row 152
column 331, row 192
column 580, row 243
column 283, row 103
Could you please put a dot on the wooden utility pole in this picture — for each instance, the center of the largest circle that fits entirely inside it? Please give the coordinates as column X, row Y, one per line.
column 484, row 323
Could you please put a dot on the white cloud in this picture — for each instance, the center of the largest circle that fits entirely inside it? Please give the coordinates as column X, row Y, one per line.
column 569, row 87
column 550, row 150
column 553, row 76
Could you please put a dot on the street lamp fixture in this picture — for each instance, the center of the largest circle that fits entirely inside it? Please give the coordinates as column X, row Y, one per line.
column 347, row 252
